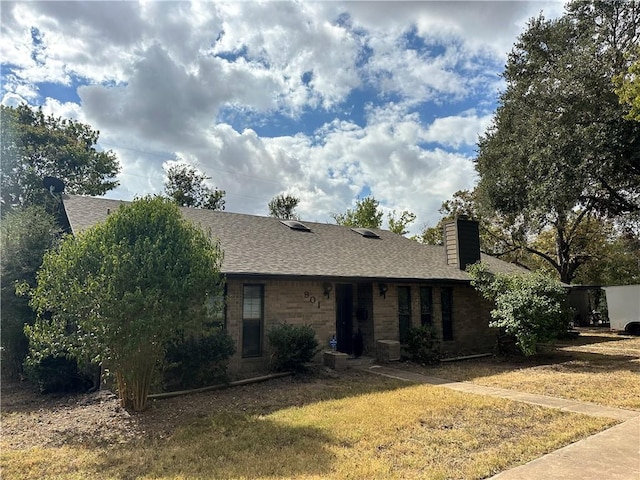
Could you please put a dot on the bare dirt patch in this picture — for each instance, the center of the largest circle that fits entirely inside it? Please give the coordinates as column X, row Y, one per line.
column 31, row 419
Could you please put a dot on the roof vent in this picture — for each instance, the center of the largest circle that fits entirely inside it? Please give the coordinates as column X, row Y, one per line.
column 295, row 225
column 365, row 232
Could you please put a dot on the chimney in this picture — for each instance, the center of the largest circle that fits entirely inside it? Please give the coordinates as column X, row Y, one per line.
column 461, row 238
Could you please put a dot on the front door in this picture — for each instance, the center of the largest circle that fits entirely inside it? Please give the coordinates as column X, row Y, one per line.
column 344, row 317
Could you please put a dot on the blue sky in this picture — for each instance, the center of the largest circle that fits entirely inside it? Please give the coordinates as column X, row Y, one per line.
column 328, row 101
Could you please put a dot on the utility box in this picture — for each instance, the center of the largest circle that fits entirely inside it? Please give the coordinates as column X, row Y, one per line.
column 335, row 360
column 387, row 351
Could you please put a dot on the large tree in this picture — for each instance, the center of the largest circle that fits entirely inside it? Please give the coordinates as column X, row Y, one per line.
column 364, row 215
column 186, row 186
column 25, row 235
column 560, row 151
column 609, row 252
column 35, row 145
column 119, row 292
column 283, row 206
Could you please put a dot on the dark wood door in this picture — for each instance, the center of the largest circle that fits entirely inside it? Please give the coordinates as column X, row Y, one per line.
column 344, row 317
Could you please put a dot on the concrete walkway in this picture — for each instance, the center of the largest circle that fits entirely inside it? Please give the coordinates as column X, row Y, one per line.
column 613, row 454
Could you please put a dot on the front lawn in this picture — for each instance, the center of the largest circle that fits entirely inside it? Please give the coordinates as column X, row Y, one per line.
column 354, row 425
column 598, row 366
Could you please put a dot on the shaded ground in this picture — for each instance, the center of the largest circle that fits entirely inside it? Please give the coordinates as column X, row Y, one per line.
column 352, row 425
column 32, row 419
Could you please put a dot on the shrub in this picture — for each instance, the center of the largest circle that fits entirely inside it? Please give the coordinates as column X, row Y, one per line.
column 25, row 235
column 292, row 345
column 530, row 306
column 119, row 291
column 57, row 374
column 197, row 362
column 15, row 345
column 423, row 345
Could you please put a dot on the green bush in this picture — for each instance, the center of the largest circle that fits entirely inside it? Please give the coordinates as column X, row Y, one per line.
column 15, row 345
column 25, row 234
column 423, row 345
column 197, row 362
column 529, row 306
column 57, row 374
column 292, row 346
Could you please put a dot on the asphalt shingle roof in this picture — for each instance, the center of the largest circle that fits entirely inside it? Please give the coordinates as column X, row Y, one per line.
column 255, row 245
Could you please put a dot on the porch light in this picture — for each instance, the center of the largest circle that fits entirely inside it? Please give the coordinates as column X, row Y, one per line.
column 383, row 289
column 327, row 287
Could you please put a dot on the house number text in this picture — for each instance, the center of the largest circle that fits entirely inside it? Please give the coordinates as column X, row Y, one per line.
column 311, row 298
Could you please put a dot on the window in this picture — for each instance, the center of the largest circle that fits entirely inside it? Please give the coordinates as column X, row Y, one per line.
column 446, row 296
column 217, row 309
column 252, row 320
column 426, row 301
column 404, row 312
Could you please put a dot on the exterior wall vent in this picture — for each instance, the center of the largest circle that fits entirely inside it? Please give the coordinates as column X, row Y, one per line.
column 365, row 232
column 295, row 225
column 461, row 242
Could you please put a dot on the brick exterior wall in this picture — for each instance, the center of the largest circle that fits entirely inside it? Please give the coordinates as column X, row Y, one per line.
column 471, row 317
column 291, row 301
column 304, row 302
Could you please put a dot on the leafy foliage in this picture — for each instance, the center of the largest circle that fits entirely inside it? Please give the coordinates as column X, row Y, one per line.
column 462, row 202
column 292, row 345
column 283, row 206
column 423, row 345
column 559, row 142
column 603, row 251
column 25, row 235
column 609, row 254
column 120, row 291
column 531, row 306
column 34, row 146
column 364, row 215
column 187, row 187
column 628, row 87
column 198, row 360
column 399, row 224
column 57, row 374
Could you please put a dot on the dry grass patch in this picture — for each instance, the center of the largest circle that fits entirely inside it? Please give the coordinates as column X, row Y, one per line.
column 358, row 427
column 599, row 367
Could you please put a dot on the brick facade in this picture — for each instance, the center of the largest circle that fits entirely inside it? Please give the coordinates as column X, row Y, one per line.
column 471, row 317
column 304, row 302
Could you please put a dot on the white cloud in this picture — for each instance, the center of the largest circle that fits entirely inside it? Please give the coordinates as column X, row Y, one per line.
column 163, row 81
column 456, row 131
column 479, row 24
column 71, row 110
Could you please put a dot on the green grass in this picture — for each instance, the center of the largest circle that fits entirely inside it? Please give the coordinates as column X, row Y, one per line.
column 355, row 427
